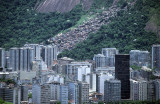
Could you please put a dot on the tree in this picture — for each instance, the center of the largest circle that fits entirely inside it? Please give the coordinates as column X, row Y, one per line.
column 100, row 102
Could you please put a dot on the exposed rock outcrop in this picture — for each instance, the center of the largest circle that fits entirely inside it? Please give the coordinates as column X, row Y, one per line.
column 47, row 6
column 153, row 27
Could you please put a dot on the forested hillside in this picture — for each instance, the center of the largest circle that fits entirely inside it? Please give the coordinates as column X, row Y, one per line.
column 125, row 32
column 20, row 23
column 130, row 29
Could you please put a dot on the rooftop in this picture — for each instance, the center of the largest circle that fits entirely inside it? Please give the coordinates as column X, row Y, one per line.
column 66, row 58
column 114, row 81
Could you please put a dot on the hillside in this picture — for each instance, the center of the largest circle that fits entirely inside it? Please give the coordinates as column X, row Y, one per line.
column 126, row 31
column 20, row 23
column 124, row 24
column 68, row 39
column 62, row 6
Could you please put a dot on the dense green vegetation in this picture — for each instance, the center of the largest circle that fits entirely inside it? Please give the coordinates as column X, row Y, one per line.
column 30, row 95
column 125, row 32
column 8, row 81
column 98, row 4
column 135, row 102
column 19, row 22
column 3, row 102
column 134, row 67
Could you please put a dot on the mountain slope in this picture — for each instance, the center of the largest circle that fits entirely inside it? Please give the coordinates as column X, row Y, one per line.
column 61, row 5
column 125, row 32
column 20, row 23
column 75, row 35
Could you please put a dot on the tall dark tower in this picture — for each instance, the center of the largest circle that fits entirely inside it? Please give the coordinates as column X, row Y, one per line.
column 122, row 73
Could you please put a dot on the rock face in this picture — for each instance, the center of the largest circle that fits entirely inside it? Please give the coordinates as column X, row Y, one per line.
column 47, row 6
column 151, row 26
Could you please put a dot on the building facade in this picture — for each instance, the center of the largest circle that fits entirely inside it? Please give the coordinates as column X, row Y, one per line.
column 26, row 58
column 73, row 93
column 14, row 59
column 155, row 57
column 41, row 94
column 55, row 91
column 21, row 59
column 100, row 60
column 2, row 58
column 151, row 94
column 83, row 93
column 74, row 70
column 100, row 81
column 112, row 90
column 157, row 89
column 122, row 73
column 64, row 94
column 37, row 50
column 139, row 58
column 139, row 90
column 110, row 53
column 48, row 54
column 12, row 95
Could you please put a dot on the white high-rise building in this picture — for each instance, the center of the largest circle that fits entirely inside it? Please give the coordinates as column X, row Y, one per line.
column 75, row 70
column 55, row 78
column 2, row 58
column 109, row 53
column 21, row 59
column 47, row 56
column 26, row 55
column 36, row 49
column 55, row 91
column 49, row 53
column 91, row 80
column 100, row 60
column 81, row 72
column 55, row 52
column 92, row 83
column 100, row 81
column 14, row 59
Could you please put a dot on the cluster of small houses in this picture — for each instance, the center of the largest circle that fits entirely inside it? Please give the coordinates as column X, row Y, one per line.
column 69, row 39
